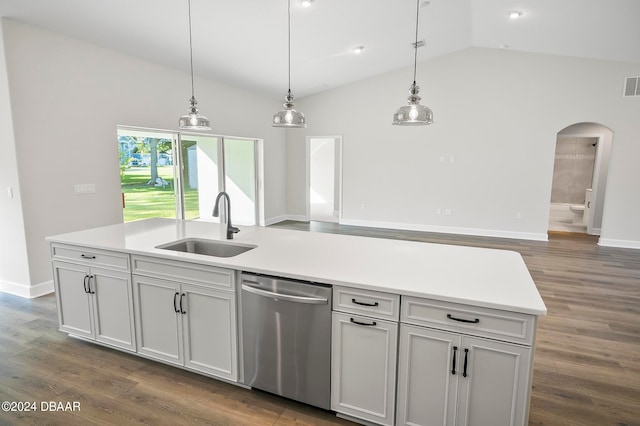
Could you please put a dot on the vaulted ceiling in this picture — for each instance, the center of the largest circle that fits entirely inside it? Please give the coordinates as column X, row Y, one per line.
column 244, row 42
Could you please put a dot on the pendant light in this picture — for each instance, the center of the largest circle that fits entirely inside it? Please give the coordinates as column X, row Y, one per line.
column 193, row 120
column 289, row 117
column 414, row 114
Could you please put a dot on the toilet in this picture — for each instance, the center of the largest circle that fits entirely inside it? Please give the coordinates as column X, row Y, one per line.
column 578, row 214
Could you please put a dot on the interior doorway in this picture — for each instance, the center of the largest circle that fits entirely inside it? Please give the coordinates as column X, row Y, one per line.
column 579, row 178
column 324, row 178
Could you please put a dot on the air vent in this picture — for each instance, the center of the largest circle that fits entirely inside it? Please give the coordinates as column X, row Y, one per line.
column 631, row 87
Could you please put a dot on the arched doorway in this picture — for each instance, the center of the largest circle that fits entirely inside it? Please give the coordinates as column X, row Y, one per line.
column 579, row 178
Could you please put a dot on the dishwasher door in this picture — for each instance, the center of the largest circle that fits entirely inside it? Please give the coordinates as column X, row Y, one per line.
column 286, row 336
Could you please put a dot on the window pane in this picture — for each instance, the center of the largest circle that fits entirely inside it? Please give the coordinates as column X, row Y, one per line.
column 146, row 174
column 200, row 176
column 240, row 179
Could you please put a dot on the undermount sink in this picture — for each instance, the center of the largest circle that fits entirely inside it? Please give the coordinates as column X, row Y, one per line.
column 207, row 247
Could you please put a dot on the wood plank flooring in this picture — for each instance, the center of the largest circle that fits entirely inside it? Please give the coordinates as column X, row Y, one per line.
column 586, row 371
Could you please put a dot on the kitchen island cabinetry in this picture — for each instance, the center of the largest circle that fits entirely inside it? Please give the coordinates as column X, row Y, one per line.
column 93, row 293
column 449, row 376
column 422, row 333
column 189, row 319
column 364, row 354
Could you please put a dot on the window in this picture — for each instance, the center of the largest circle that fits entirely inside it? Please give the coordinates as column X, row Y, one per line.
column 179, row 175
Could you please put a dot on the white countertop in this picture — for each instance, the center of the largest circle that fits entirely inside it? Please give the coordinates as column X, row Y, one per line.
column 475, row 276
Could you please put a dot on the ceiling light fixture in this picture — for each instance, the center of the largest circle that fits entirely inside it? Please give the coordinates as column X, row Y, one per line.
column 358, row 50
column 515, row 14
column 414, row 114
column 193, row 120
column 306, row 3
column 289, row 117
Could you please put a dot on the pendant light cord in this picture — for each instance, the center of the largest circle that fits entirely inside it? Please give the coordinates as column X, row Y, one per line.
column 191, row 50
column 415, row 46
column 289, row 37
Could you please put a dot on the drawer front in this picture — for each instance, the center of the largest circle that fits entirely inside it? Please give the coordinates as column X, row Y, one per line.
column 91, row 257
column 184, row 272
column 484, row 322
column 366, row 302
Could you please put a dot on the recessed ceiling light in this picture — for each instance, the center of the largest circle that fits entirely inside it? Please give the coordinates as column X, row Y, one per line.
column 306, row 3
column 504, row 46
column 425, row 3
column 515, row 14
column 358, row 50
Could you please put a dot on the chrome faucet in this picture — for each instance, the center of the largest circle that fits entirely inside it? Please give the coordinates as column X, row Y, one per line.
column 216, row 212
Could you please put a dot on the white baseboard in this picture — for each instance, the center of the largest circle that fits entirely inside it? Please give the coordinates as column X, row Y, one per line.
column 608, row 242
column 448, row 230
column 25, row 290
column 282, row 218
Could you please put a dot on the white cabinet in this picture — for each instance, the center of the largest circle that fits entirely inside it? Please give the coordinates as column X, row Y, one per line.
column 427, row 381
column 183, row 323
column 364, row 357
column 94, row 302
column 448, row 376
column 495, row 390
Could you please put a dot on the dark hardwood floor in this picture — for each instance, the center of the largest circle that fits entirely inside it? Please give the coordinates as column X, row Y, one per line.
column 586, row 371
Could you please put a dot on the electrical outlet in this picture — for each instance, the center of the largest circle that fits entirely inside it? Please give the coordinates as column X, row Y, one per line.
column 518, row 215
column 362, row 206
column 10, row 192
column 448, row 212
column 438, row 211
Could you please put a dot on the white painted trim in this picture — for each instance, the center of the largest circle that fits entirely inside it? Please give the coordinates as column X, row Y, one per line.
column 608, row 242
column 297, row 217
column 282, row 218
column 27, row 291
column 448, row 230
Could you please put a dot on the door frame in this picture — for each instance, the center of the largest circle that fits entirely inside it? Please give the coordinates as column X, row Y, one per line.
column 599, row 169
column 338, row 167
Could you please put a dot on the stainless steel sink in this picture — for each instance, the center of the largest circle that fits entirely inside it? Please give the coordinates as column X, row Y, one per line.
column 207, row 247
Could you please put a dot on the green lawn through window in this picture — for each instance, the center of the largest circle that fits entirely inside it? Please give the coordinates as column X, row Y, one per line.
column 144, row 201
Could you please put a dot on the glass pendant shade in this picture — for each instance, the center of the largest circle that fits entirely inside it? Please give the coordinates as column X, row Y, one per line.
column 193, row 120
column 413, row 114
column 289, row 117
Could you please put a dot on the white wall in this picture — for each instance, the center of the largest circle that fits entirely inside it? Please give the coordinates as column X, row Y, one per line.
column 496, row 115
column 14, row 269
column 68, row 96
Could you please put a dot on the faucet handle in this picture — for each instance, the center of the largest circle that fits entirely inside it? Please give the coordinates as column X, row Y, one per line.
column 230, row 231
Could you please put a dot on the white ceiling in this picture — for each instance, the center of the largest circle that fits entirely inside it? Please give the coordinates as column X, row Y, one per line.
column 244, row 43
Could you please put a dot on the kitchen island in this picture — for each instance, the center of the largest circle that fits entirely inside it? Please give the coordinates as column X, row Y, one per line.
column 472, row 310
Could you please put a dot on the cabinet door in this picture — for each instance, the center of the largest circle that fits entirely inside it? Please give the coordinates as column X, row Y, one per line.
column 364, row 367
column 158, row 325
column 113, row 308
column 428, row 375
column 209, row 330
column 74, row 302
column 495, row 391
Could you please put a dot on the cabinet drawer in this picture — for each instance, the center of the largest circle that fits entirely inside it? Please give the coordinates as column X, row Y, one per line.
column 366, row 302
column 492, row 323
column 184, row 272
column 91, row 257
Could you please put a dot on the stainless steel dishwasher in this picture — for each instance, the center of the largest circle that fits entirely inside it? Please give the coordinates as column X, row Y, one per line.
column 286, row 336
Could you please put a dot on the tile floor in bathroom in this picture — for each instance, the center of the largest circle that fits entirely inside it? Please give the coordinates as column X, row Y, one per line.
column 561, row 218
